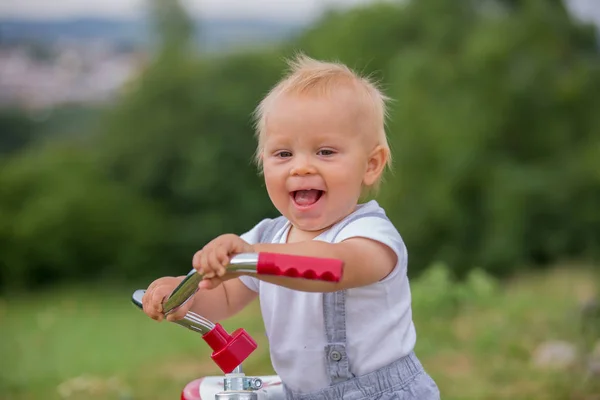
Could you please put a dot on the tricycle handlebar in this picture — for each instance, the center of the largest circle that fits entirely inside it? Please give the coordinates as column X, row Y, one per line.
column 314, row 268
column 230, row 351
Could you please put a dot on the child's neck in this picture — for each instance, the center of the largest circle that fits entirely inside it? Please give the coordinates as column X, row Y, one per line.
column 296, row 235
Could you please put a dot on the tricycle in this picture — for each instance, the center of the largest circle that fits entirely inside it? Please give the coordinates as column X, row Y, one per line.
column 231, row 350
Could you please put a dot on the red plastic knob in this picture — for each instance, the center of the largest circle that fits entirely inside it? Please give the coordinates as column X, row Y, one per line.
column 229, row 351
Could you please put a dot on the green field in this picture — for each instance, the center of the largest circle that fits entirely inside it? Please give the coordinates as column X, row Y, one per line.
column 475, row 339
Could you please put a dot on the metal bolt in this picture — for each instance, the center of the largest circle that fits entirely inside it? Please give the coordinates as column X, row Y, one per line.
column 256, row 383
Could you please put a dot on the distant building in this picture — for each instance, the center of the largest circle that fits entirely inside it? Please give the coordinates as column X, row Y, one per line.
column 73, row 74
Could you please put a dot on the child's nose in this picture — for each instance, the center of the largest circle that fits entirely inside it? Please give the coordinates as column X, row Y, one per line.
column 303, row 166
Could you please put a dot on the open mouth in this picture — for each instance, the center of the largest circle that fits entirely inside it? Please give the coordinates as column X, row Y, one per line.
column 306, row 198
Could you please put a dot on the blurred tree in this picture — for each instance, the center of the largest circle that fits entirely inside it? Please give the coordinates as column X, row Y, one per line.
column 61, row 219
column 494, row 141
column 172, row 26
column 16, row 131
column 182, row 136
column 494, row 128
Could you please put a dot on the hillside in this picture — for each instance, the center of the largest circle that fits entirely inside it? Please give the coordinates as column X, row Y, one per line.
column 210, row 33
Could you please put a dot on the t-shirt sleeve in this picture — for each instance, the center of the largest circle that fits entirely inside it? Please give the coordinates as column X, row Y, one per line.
column 381, row 230
column 253, row 237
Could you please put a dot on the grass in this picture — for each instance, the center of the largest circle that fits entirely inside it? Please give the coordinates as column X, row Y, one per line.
column 475, row 339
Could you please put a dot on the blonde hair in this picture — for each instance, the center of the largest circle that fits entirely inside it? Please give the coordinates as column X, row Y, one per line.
column 307, row 75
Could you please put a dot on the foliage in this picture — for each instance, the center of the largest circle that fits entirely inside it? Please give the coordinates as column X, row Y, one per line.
column 172, row 26
column 16, row 131
column 496, row 141
column 191, row 149
column 494, row 128
column 60, row 218
column 437, row 292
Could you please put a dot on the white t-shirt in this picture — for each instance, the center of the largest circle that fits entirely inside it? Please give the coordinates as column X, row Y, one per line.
column 379, row 324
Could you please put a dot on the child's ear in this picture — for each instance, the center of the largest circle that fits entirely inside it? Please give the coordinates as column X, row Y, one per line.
column 375, row 165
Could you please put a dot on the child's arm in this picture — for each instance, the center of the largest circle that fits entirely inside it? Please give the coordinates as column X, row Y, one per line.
column 224, row 301
column 365, row 262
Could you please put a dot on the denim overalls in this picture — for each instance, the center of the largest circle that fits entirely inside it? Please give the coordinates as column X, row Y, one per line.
column 404, row 379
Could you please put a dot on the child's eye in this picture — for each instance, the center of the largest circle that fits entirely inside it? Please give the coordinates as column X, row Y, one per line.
column 326, row 152
column 283, row 154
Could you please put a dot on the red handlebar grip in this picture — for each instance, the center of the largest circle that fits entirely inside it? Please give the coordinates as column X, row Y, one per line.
column 314, row 268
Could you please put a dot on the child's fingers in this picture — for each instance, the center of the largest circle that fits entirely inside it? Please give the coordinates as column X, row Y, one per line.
column 216, row 260
column 196, row 259
column 200, row 260
column 158, row 296
column 223, row 256
column 204, row 267
column 213, row 261
column 147, row 299
column 150, row 307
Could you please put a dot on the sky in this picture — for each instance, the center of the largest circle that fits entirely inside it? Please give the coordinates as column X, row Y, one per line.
column 281, row 9
column 274, row 9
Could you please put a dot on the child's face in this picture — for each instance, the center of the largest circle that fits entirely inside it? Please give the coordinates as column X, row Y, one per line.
column 317, row 156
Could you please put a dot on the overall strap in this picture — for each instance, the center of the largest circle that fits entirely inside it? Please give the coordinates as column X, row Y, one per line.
column 334, row 314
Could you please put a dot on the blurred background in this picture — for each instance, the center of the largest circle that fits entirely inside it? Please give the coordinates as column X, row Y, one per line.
column 126, row 144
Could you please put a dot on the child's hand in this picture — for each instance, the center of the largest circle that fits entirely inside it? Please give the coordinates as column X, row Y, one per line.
column 152, row 302
column 213, row 259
